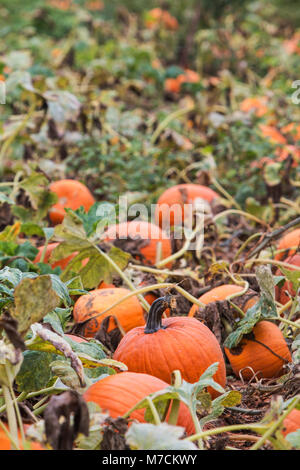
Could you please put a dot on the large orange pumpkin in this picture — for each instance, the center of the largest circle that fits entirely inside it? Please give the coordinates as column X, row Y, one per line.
column 5, row 443
column 129, row 313
column 118, row 393
column 267, row 361
column 176, row 343
column 170, row 205
column 281, row 295
column 71, row 194
column 221, row 293
column 292, row 422
column 289, row 243
column 149, row 235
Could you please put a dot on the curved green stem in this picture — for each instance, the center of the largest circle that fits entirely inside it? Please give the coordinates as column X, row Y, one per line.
column 176, row 114
column 233, row 427
column 122, row 275
column 245, row 214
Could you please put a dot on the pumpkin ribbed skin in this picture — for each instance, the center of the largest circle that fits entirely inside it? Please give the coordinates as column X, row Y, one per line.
column 221, row 293
column 281, row 296
column 129, row 312
column 256, row 356
column 290, row 240
column 151, row 233
column 291, row 422
column 119, row 393
column 184, row 344
column 5, row 443
column 71, row 194
column 179, row 195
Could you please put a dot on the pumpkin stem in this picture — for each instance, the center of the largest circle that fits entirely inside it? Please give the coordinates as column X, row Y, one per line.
column 154, row 318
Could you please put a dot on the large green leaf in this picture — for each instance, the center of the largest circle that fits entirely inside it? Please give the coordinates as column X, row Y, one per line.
column 146, row 436
column 33, row 299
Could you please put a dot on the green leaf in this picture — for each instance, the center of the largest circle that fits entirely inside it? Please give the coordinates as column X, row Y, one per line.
column 30, row 229
column 67, row 375
column 33, row 299
column 145, row 436
column 294, row 439
column 293, row 277
column 40, row 197
column 58, row 319
column 35, row 371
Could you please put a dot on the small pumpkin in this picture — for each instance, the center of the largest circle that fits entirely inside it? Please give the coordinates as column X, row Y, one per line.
column 289, row 243
column 175, row 343
column 158, row 17
column 221, row 293
column 170, row 206
column 292, row 422
column 5, row 443
column 281, row 295
column 71, row 194
column 146, row 237
column 118, row 393
column 76, row 338
column 266, row 353
column 129, row 313
column 62, row 263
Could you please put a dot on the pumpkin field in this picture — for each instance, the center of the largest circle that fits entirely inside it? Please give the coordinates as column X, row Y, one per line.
column 149, row 225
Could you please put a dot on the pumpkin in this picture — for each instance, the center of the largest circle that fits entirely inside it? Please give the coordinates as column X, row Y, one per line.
column 173, row 85
column 129, row 313
column 147, row 237
column 289, row 243
column 118, row 393
column 266, row 359
column 5, row 443
column 175, row 343
column 157, row 17
column 77, row 339
column 221, row 293
column 281, row 295
column 170, row 206
column 292, row 422
column 62, row 263
column 71, row 194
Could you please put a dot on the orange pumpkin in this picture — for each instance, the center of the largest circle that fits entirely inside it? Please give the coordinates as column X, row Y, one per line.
column 71, row 194
column 176, row 343
column 281, row 295
column 267, row 363
column 272, row 134
column 62, row 263
column 5, row 443
column 77, row 339
column 289, row 243
column 149, row 235
column 129, row 313
column 157, row 16
column 292, row 422
column 173, row 85
column 118, row 393
column 170, row 206
column 221, row 293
